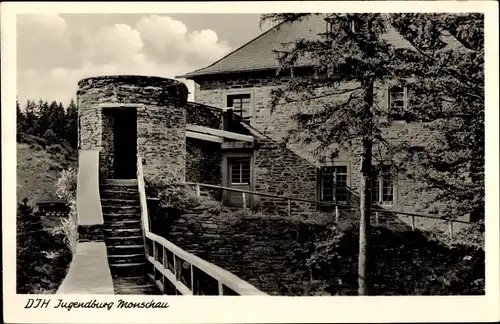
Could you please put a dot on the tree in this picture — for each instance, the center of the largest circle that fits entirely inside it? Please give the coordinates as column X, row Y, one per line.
column 71, row 132
column 347, row 117
column 43, row 122
column 352, row 52
column 20, row 121
column 31, row 113
column 452, row 165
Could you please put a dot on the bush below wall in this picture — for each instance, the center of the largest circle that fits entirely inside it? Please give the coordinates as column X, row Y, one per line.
column 291, row 257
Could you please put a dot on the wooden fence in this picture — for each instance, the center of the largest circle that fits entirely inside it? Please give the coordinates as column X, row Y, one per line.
column 376, row 211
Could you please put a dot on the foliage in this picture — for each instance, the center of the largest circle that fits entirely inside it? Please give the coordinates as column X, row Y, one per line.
column 443, row 68
column 203, row 162
column 68, row 227
column 408, row 263
column 173, row 195
column 42, row 259
column 447, row 78
column 52, row 123
column 66, row 189
column 66, row 185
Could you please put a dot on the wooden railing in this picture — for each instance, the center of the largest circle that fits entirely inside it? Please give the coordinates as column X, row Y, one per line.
column 376, row 211
column 178, row 272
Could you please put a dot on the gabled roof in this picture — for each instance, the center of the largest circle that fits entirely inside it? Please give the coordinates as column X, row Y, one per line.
column 257, row 54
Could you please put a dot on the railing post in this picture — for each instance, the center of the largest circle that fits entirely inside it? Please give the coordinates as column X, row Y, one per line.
column 221, row 288
column 289, row 208
column 336, row 214
column 450, row 227
column 193, row 286
column 244, row 200
column 198, row 192
column 376, row 218
column 412, row 222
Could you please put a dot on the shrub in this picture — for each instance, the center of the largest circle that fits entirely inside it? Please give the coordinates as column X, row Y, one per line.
column 66, row 185
column 56, row 149
column 42, row 259
column 32, row 139
column 173, row 195
column 404, row 263
column 66, row 190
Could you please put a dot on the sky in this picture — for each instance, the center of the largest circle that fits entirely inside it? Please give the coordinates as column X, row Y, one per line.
column 55, row 51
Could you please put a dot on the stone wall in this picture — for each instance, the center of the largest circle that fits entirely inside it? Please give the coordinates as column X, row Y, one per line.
column 106, row 157
column 277, row 123
column 268, row 252
column 161, row 120
column 280, row 171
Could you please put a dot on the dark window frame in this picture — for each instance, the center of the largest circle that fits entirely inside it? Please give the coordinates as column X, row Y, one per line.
column 384, row 186
column 397, row 113
column 240, row 98
column 338, row 174
column 244, row 170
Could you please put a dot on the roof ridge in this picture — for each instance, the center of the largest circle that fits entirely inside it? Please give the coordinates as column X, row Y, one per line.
column 234, row 51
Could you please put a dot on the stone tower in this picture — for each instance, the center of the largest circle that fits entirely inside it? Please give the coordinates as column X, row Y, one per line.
column 126, row 117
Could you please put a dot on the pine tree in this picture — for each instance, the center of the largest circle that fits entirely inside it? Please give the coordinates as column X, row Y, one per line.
column 351, row 52
column 31, row 113
column 20, row 121
column 350, row 60
column 43, row 122
column 449, row 98
column 71, row 132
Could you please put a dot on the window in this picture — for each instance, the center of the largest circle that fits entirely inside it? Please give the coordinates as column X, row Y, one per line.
column 241, row 104
column 383, row 186
column 240, row 170
column 334, row 183
column 398, row 102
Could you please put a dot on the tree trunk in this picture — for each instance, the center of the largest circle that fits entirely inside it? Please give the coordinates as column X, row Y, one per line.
column 365, row 196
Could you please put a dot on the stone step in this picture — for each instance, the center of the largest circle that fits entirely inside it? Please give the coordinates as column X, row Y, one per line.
column 126, row 249
column 124, row 240
column 118, row 188
column 111, row 217
column 122, row 232
column 126, row 258
column 138, row 290
column 120, row 182
column 119, row 202
column 127, row 269
column 119, row 194
column 138, row 285
column 125, row 210
column 125, row 223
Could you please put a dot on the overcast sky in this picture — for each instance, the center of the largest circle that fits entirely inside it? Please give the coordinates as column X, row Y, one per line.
column 55, row 51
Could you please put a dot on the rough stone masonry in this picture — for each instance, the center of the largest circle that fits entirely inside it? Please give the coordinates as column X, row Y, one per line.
column 161, row 120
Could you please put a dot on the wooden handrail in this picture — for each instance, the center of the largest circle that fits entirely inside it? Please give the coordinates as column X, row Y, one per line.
column 223, row 277
column 322, row 202
column 141, row 187
column 267, row 194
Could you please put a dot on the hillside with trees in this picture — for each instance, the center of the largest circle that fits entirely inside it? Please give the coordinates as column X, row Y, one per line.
column 46, row 148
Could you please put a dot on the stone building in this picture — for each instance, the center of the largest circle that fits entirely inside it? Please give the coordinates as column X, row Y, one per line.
column 229, row 136
column 243, row 81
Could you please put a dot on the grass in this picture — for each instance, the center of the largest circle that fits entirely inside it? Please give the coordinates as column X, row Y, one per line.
column 37, row 172
column 42, row 257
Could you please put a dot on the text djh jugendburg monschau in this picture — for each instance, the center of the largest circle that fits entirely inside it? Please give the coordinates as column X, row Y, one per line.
column 93, row 303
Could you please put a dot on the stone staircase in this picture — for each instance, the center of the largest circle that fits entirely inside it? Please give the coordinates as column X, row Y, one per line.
column 124, row 241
